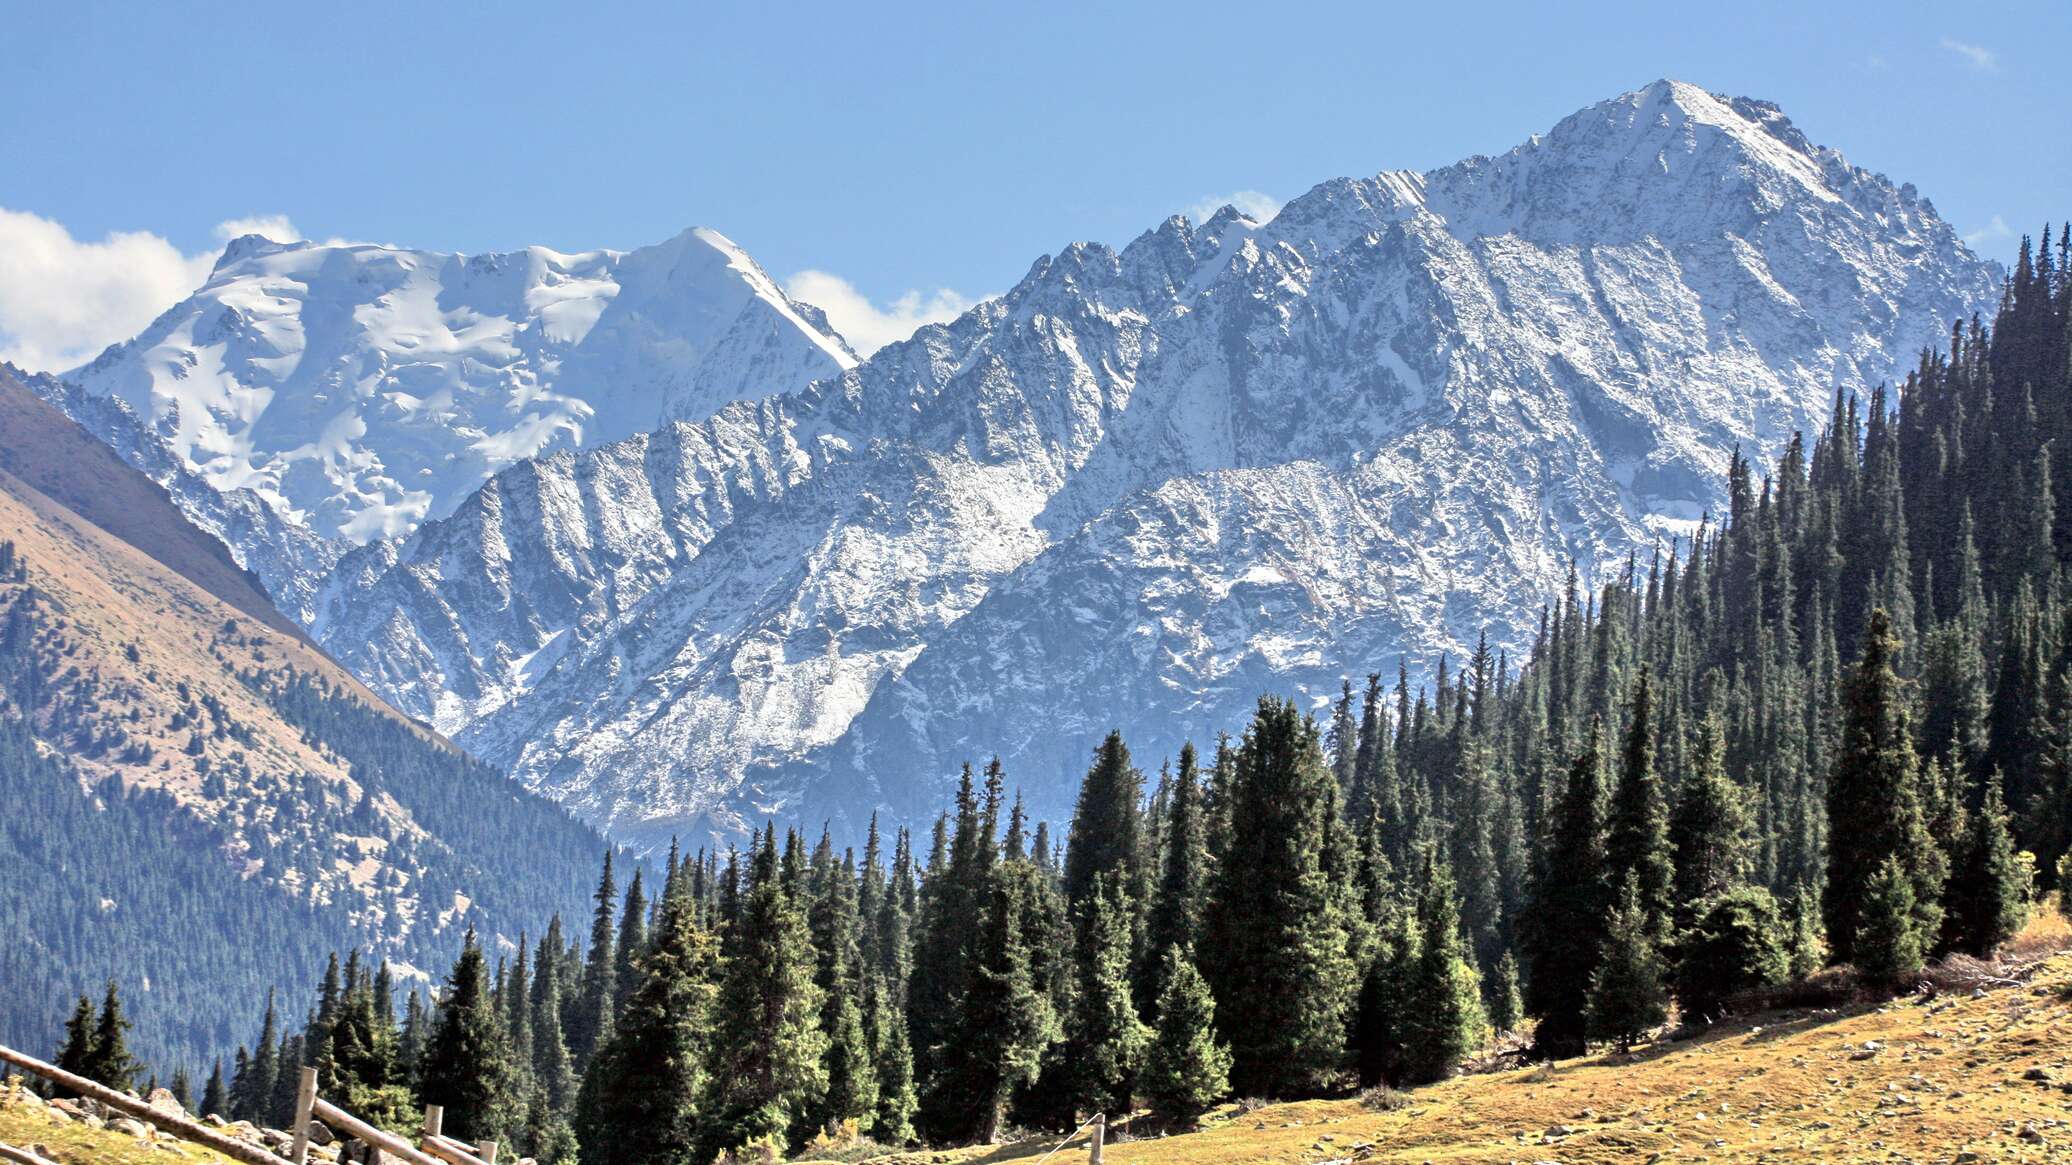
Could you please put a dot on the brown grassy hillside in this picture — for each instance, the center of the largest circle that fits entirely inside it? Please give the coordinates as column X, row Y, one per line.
column 1948, row 1078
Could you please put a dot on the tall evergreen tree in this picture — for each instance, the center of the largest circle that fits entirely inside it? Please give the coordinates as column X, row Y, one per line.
column 1003, row 1022
column 1710, row 829
column 467, row 1068
column 639, row 1098
column 768, row 1059
column 109, row 1062
column 1444, row 1020
column 1873, row 789
column 1175, row 918
column 1571, row 907
column 1107, row 1038
column 1637, row 834
column 1277, row 932
column 589, row 1022
column 1186, row 1070
column 1628, row 992
column 1987, row 899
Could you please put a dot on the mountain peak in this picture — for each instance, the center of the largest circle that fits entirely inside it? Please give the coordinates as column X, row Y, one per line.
column 251, row 246
column 361, row 389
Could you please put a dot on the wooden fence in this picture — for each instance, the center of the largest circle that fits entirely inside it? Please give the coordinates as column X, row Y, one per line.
column 434, row 1147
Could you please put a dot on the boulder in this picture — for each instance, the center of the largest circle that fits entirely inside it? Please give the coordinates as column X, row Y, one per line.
column 131, row 1126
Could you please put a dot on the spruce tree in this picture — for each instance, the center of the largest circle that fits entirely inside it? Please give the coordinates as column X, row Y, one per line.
column 1888, row 943
column 1987, row 900
column 1107, row 1041
column 1175, row 918
column 467, row 1067
column 1506, row 1004
column 589, row 1022
column 1710, row 828
column 1628, row 995
column 1277, row 931
column 1736, row 942
column 215, row 1101
column 1003, row 1023
column 1443, row 1019
column 630, row 944
column 767, row 1064
column 110, row 1062
column 1637, row 834
column 893, row 1123
column 1567, row 924
column 1873, row 790
column 1186, row 1069
column 77, row 1053
column 263, row 1076
column 638, row 1104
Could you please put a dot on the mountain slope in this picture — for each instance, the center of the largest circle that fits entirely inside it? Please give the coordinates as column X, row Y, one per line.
column 361, row 389
column 176, row 755
column 1959, row 1076
column 1145, row 484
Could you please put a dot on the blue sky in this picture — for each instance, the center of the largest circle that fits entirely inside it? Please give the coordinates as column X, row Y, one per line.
column 901, row 150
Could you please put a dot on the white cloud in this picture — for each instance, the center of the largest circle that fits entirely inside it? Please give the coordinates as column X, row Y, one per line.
column 62, row 300
column 1993, row 232
column 273, row 226
column 1980, row 56
column 867, row 326
column 1253, row 204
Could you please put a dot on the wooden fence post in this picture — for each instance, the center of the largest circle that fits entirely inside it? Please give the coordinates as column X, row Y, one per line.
column 434, row 1120
column 305, row 1103
column 487, row 1151
column 1093, row 1153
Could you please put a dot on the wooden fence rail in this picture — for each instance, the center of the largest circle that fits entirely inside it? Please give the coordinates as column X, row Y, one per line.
column 179, row 1126
column 438, row 1148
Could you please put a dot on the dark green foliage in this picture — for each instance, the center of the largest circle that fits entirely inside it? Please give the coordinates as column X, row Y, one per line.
column 215, row 1100
column 1889, row 940
column 1108, row 1037
column 76, row 1055
column 1003, row 1022
column 1736, row 942
column 589, row 1021
column 1175, row 918
column 1987, row 900
column 1506, row 1006
column 638, row 1104
column 467, row 1064
column 108, row 1060
column 1874, row 788
column 767, row 1068
column 1277, row 932
column 1186, row 1070
column 1710, row 828
column 1628, row 992
column 1572, row 903
column 1442, row 1018
column 1637, row 834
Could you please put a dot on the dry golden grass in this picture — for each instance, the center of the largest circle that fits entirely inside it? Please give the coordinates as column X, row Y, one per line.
column 27, row 1125
column 1919, row 1079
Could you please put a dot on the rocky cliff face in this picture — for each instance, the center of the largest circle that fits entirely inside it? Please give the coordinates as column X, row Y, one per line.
column 360, row 390
column 1145, row 485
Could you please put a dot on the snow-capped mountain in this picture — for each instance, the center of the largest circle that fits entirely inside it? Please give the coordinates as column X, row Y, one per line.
column 1145, row 485
column 360, row 390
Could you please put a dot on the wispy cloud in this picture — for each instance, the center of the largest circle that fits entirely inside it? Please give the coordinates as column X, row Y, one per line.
column 869, row 326
column 1253, row 204
column 1979, row 56
column 1995, row 231
column 64, row 299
